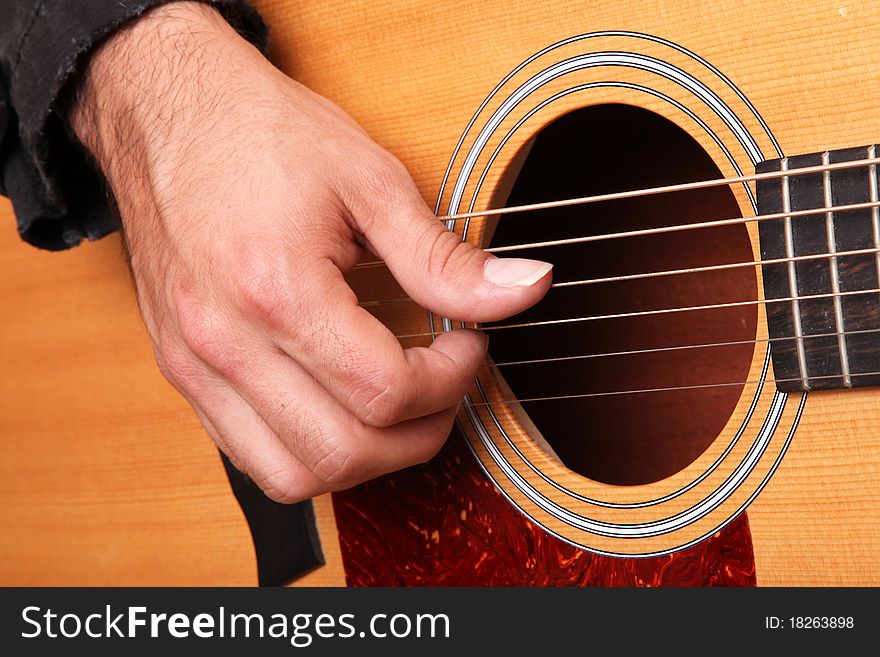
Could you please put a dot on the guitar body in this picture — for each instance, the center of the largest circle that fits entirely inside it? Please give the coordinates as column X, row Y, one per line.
column 108, row 477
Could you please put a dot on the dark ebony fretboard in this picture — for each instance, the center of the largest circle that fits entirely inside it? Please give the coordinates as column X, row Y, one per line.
column 830, row 342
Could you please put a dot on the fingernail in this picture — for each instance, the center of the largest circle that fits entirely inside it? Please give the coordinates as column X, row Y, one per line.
column 515, row 272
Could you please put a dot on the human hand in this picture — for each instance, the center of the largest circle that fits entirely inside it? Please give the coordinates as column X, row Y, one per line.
column 244, row 197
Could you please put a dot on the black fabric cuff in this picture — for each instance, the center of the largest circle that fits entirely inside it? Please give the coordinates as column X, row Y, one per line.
column 58, row 197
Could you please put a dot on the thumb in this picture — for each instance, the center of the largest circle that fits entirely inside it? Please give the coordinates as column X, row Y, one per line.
column 441, row 272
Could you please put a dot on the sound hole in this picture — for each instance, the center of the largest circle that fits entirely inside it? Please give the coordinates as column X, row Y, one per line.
column 638, row 438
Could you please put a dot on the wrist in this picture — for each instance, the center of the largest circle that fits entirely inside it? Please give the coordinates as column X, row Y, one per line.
column 149, row 84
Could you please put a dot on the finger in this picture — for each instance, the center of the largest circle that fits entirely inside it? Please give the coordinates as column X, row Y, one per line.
column 435, row 267
column 324, row 436
column 362, row 364
column 252, row 447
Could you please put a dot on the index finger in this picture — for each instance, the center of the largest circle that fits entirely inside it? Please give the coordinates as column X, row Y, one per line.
column 361, row 362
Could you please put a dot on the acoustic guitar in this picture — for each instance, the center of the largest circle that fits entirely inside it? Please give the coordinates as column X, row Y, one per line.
column 692, row 402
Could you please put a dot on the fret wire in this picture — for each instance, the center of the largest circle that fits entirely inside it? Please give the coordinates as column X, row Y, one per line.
column 875, row 211
column 835, row 274
column 643, row 313
column 660, row 389
column 792, row 277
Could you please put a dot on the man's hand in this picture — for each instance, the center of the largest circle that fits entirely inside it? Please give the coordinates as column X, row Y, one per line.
column 244, row 197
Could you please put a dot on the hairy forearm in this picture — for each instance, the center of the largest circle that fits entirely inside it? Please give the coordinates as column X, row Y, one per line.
column 147, row 88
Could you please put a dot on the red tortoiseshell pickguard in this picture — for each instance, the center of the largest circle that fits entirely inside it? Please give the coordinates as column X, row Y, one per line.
column 444, row 524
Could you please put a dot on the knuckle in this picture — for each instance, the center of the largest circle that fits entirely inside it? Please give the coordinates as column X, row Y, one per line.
column 281, row 486
column 335, row 461
column 446, row 252
column 205, row 334
column 382, row 178
column 379, row 400
column 175, row 363
column 260, row 289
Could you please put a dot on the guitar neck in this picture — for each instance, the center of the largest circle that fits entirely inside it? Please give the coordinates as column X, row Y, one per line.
column 825, row 328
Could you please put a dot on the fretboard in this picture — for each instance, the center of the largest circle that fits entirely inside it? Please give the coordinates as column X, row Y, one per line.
column 832, row 340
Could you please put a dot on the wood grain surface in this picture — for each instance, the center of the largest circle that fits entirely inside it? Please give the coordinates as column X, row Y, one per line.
column 106, row 475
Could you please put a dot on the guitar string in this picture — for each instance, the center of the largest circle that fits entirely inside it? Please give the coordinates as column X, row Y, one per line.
column 669, row 272
column 651, row 191
column 644, row 313
column 685, row 227
column 675, row 228
column 653, row 350
column 658, row 190
column 611, row 393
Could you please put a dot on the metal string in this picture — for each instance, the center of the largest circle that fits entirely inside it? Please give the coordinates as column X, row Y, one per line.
column 664, row 389
column 665, row 189
column 654, row 350
column 670, row 272
column 650, row 191
column 659, row 311
column 690, row 270
column 678, row 228
column 660, row 230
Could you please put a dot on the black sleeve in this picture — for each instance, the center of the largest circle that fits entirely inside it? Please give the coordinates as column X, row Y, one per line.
column 58, row 198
